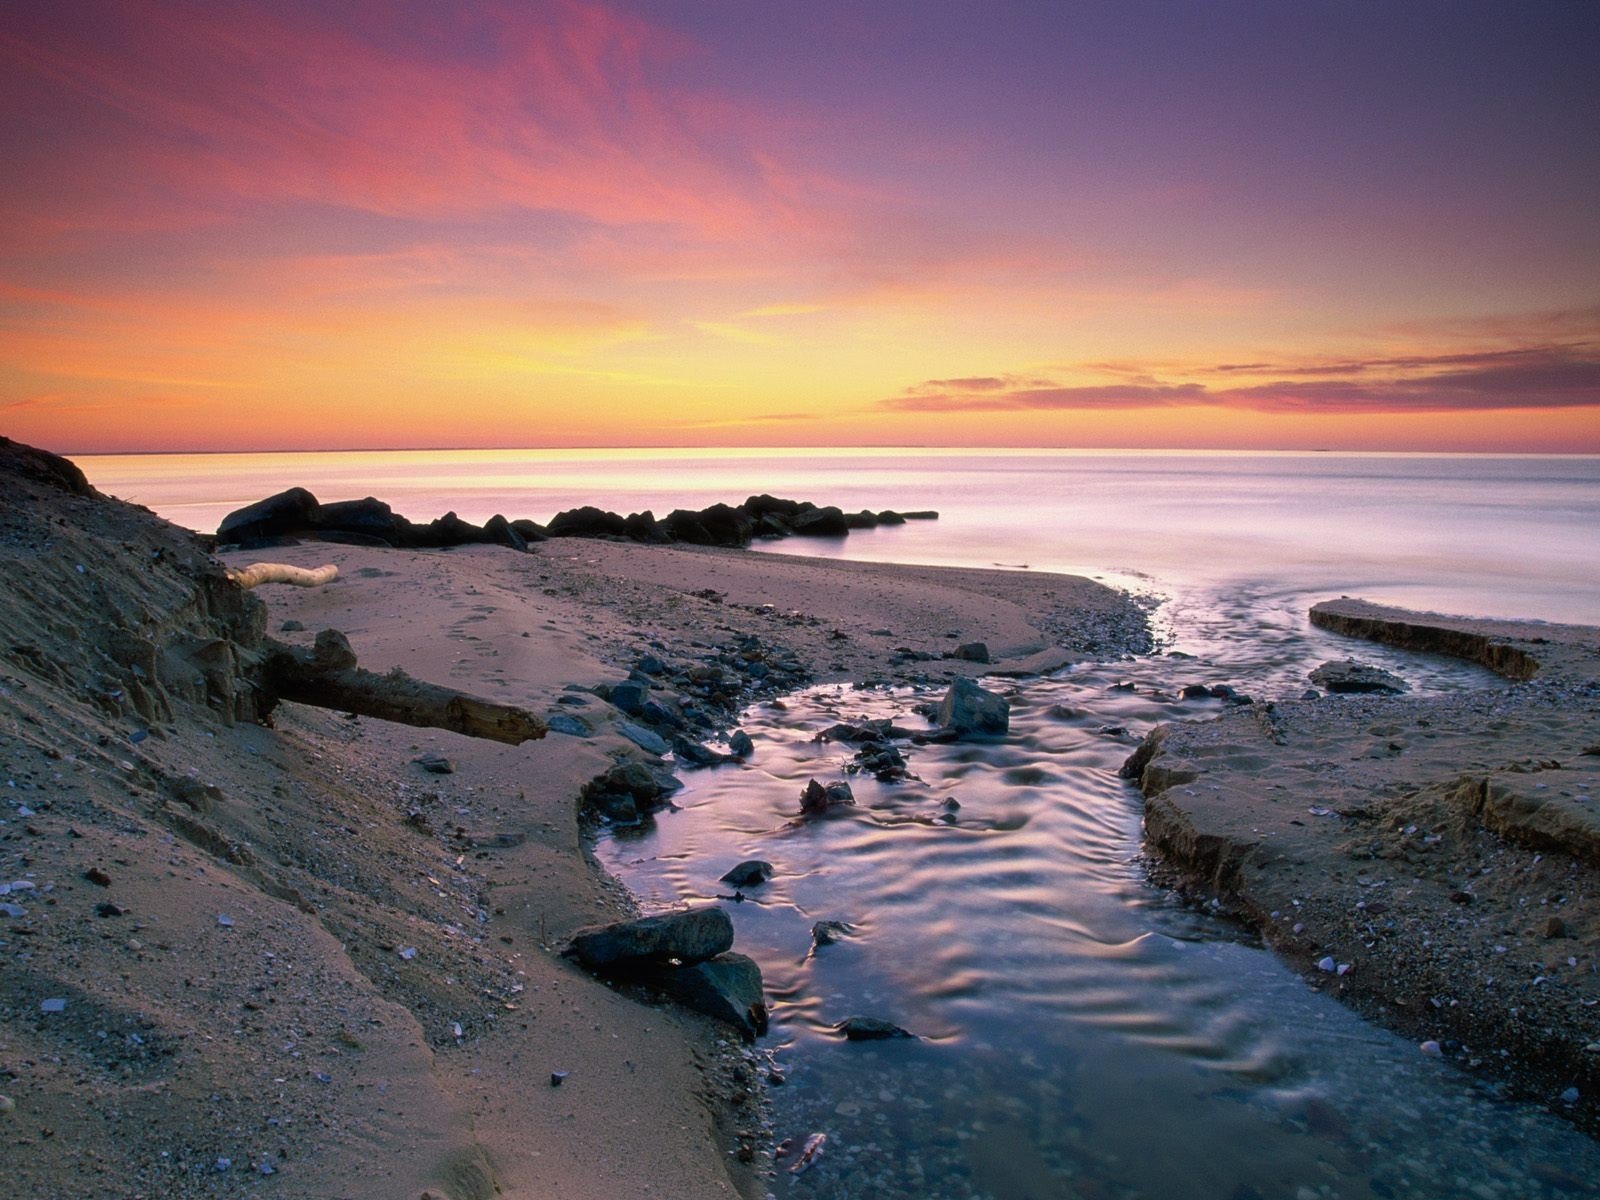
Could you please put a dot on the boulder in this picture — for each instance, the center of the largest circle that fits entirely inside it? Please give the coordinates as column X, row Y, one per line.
column 451, row 530
column 291, row 511
column 926, row 514
column 686, row 937
column 630, row 695
column 889, row 517
column 530, row 531
column 1344, row 675
column 968, row 708
column 587, row 521
column 820, row 522
column 727, row 988
column 497, row 531
column 740, row 745
column 369, row 516
column 757, row 507
column 694, row 754
column 977, row 652
column 826, row 933
column 643, row 527
column 753, row 872
column 861, row 520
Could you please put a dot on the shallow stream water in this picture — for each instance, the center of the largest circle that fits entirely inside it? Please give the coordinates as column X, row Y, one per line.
column 1080, row 1033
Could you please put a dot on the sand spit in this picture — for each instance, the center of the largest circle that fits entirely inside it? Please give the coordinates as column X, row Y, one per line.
column 290, row 959
column 1434, row 861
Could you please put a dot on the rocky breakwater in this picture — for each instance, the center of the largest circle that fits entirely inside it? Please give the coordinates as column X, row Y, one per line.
column 685, row 955
column 296, row 514
column 1432, row 860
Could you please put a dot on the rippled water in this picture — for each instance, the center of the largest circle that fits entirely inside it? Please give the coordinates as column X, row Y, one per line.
column 1080, row 1033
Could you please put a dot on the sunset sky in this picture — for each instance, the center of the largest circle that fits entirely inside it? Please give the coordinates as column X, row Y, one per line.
column 730, row 222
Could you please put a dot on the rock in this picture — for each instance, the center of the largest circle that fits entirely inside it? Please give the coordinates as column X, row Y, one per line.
column 651, row 665
column 694, row 754
column 587, row 521
column 643, row 527
column 762, row 506
column 926, row 514
column 629, row 696
column 530, row 531
column 1344, row 675
column 968, row 708
column 684, row 937
column 290, row 511
column 291, row 626
column 719, row 525
column 497, row 531
column 572, row 726
column 753, row 872
column 861, row 520
column 97, row 877
column 1555, row 927
column 820, row 522
column 889, row 517
column 435, row 763
column 369, row 517
column 977, row 652
column 727, row 988
column 870, row 1029
column 740, row 745
column 645, row 739
column 817, row 799
column 826, row 933
column 1195, row 691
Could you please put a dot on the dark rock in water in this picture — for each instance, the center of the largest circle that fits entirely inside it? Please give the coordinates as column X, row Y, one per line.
column 889, row 517
column 926, row 514
column 1346, row 676
column 530, row 531
column 757, row 507
column 880, row 760
column 740, row 744
column 628, row 789
column 497, row 531
column 435, row 763
column 753, row 872
column 968, row 708
column 820, row 522
column 878, row 729
column 727, row 988
column 817, row 799
column 861, row 520
column 1195, row 691
column 870, row 1029
column 291, row 511
column 977, row 652
column 719, row 525
column 643, row 527
column 587, row 521
column 826, row 933
column 630, row 695
column 694, row 754
column 684, row 937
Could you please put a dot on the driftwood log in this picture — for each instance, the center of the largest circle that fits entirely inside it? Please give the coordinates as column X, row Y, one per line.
column 326, row 676
column 259, row 573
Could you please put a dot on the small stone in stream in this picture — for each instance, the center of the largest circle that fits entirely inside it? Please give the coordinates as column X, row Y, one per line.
column 557, row 1077
column 568, row 724
column 740, row 744
column 977, row 652
column 968, row 708
column 97, row 877
column 693, row 754
column 870, row 1029
column 1195, row 691
column 435, row 763
column 751, row 873
column 826, row 933
column 1346, row 676
column 686, row 937
column 291, row 626
column 816, row 798
column 1555, row 927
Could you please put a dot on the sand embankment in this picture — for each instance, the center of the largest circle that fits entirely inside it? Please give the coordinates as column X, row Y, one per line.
column 292, row 959
column 1440, row 854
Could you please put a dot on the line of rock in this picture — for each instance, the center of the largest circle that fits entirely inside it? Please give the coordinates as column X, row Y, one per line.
column 291, row 515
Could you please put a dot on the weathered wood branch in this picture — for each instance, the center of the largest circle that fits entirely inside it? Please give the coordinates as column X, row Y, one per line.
column 326, row 676
column 258, row 573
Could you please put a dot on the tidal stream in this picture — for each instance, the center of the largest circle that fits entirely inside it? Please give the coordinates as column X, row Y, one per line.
column 1079, row 1032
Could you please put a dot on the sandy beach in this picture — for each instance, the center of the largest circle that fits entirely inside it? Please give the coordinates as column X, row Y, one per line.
column 289, row 955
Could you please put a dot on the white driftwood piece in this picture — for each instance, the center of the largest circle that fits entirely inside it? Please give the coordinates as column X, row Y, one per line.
column 258, row 573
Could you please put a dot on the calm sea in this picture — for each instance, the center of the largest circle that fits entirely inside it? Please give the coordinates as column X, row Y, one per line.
column 1471, row 534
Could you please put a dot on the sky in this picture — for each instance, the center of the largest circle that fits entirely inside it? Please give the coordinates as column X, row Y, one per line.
column 1218, row 224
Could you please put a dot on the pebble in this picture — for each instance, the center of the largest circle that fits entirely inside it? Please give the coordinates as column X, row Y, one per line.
column 1430, row 1047
column 53, row 1005
column 1570, row 1096
column 7, row 1106
column 225, row 920
column 556, row 1077
column 1327, row 964
column 408, row 952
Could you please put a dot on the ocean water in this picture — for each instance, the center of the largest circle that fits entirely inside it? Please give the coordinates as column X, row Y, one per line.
column 1471, row 534
column 1080, row 1034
